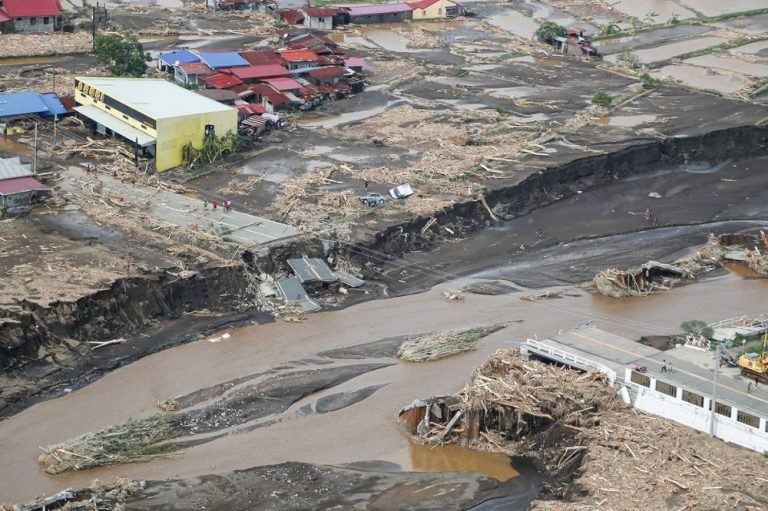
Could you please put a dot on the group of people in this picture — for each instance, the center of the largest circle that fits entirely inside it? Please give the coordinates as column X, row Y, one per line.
column 225, row 205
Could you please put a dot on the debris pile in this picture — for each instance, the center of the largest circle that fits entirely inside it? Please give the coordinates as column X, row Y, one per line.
column 654, row 276
column 594, row 450
column 59, row 43
column 756, row 260
column 136, row 440
column 443, row 344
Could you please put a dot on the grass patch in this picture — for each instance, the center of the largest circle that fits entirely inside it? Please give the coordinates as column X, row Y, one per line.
column 136, row 440
column 444, row 344
column 732, row 15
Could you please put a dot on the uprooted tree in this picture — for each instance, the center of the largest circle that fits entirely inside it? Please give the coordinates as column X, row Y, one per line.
column 122, row 55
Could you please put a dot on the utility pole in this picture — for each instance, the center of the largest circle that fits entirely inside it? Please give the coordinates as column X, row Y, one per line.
column 55, row 129
column 93, row 28
column 34, row 160
column 54, row 80
column 714, row 391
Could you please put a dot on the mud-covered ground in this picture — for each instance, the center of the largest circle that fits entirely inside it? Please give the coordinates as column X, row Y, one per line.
column 442, row 98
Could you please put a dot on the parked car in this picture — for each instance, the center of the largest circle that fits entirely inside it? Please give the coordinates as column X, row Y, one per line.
column 373, row 199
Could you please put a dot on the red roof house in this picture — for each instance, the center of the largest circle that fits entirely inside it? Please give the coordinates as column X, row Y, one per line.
column 298, row 58
column 263, row 57
column 30, row 15
column 253, row 73
column 220, row 81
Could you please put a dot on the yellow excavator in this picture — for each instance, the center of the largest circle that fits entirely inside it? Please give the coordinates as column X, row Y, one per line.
column 755, row 365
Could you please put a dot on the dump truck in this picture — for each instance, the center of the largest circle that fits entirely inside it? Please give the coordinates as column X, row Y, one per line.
column 755, row 365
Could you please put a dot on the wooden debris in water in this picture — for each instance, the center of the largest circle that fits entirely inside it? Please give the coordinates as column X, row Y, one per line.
column 443, row 344
column 136, row 440
column 596, row 451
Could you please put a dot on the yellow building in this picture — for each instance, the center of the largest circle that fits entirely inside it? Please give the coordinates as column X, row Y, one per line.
column 436, row 9
column 157, row 116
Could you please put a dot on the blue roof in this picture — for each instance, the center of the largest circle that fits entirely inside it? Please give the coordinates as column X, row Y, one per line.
column 228, row 59
column 53, row 103
column 21, row 103
column 180, row 56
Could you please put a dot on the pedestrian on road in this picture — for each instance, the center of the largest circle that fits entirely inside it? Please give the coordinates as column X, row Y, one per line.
column 669, row 366
column 366, row 186
column 749, row 388
column 215, row 205
column 229, row 206
column 205, row 207
column 663, row 366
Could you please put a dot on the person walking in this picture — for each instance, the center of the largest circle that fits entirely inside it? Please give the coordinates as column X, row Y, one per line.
column 749, row 388
column 215, row 205
column 663, row 366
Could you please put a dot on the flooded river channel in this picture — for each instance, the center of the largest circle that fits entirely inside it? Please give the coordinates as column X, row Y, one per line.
column 363, row 431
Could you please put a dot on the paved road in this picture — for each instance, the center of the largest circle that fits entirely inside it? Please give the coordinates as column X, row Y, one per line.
column 182, row 210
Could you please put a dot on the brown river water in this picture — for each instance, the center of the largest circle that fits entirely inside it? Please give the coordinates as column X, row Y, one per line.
column 361, row 432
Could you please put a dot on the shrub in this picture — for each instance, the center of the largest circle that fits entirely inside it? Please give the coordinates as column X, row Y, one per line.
column 628, row 59
column 601, row 98
column 649, row 82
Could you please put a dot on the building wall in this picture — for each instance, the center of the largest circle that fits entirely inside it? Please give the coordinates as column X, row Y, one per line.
column 435, row 11
column 85, row 99
column 699, row 417
column 319, row 23
column 19, row 202
column 381, row 18
column 25, row 24
column 174, row 133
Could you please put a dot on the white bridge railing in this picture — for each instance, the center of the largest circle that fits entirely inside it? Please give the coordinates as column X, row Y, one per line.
column 556, row 354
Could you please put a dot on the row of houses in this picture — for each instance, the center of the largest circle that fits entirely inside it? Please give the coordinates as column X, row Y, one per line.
column 328, row 18
column 30, row 16
column 309, row 69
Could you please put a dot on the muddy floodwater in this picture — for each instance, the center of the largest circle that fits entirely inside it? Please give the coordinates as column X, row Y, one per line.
column 455, row 458
column 364, row 431
column 701, row 78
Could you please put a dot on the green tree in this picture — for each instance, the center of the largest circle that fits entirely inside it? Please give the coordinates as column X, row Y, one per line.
column 635, row 23
column 601, row 98
column 548, row 30
column 674, row 20
column 697, row 327
column 122, row 55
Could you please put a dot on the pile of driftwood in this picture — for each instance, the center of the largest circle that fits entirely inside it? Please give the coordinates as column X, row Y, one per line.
column 136, row 440
column 596, row 451
column 439, row 345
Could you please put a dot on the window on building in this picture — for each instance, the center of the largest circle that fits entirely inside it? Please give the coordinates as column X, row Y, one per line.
column 210, row 130
column 694, row 399
column 666, row 388
column 82, row 95
column 125, row 117
column 320, row 20
column 641, row 379
column 108, row 107
column 33, row 21
column 748, row 419
column 46, row 20
column 143, row 127
column 723, row 409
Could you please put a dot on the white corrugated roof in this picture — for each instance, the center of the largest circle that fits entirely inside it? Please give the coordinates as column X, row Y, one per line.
column 156, row 98
column 115, row 124
column 11, row 168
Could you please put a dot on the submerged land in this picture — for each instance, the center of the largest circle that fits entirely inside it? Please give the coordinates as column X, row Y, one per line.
column 524, row 190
